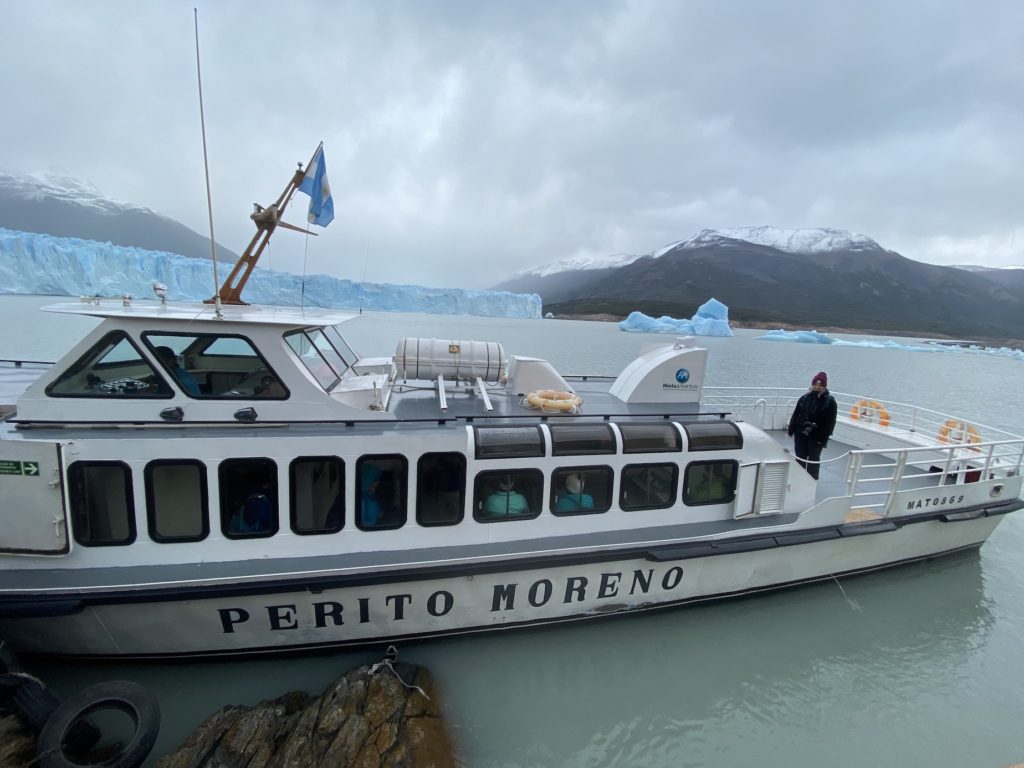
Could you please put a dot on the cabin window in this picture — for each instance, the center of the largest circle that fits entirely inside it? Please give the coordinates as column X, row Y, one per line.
column 100, row 498
column 648, row 486
column 176, row 500
column 218, row 366
column 710, row 482
column 381, row 489
column 581, row 439
column 508, row 494
column 440, row 488
column 581, row 490
column 112, row 367
column 248, row 497
column 650, row 438
column 316, row 352
column 317, row 494
column 713, row 436
column 508, row 442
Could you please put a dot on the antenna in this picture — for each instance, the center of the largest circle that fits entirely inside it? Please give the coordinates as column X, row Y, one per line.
column 206, row 168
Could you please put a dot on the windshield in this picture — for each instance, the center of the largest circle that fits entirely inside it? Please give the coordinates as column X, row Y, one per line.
column 319, row 356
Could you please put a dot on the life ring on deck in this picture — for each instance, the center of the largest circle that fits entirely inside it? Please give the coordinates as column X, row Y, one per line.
column 871, row 411
column 958, row 432
column 554, row 400
column 123, row 695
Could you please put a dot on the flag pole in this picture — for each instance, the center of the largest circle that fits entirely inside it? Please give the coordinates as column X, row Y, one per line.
column 206, row 168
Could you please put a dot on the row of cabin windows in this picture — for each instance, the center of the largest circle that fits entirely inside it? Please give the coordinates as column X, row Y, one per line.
column 177, row 509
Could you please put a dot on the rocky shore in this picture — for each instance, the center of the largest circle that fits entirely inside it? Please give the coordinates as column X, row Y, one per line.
column 383, row 715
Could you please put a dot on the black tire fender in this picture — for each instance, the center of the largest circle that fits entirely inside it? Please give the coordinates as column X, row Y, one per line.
column 123, row 695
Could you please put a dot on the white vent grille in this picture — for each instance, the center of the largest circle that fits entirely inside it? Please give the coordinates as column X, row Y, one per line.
column 771, row 488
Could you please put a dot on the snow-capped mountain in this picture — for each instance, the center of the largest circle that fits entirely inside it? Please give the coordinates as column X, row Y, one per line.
column 823, row 240
column 56, row 203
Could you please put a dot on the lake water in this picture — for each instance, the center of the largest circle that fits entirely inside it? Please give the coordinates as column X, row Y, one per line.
column 917, row 666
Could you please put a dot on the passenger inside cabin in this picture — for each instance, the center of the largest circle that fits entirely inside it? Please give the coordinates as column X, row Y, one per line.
column 185, row 379
column 506, row 502
column 574, row 500
column 256, row 514
column 369, row 495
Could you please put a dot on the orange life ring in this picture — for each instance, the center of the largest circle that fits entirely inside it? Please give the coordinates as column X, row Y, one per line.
column 554, row 400
column 958, row 432
column 871, row 411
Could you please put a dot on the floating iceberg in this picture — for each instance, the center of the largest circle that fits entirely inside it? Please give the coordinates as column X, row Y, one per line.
column 712, row 319
column 814, row 337
column 66, row 266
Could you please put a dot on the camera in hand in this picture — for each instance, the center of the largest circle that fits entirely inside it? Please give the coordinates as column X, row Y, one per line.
column 807, row 428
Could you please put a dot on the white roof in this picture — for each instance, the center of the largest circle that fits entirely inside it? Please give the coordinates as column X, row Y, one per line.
column 197, row 311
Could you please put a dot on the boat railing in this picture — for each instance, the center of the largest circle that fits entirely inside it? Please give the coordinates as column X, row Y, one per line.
column 771, row 408
column 875, row 477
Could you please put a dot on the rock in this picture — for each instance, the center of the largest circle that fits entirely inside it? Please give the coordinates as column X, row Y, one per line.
column 365, row 719
column 17, row 743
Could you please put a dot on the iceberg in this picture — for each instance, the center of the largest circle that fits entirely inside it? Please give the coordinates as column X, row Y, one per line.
column 33, row 263
column 712, row 319
column 814, row 337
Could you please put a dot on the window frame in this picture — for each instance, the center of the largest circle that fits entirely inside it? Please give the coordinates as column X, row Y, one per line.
column 557, row 483
column 602, row 450
column 673, row 494
column 357, row 511
column 667, row 426
column 293, row 487
column 204, row 500
column 704, row 442
column 75, row 467
column 276, row 500
column 462, row 491
column 162, row 390
column 708, row 463
column 481, row 452
column 478, row 500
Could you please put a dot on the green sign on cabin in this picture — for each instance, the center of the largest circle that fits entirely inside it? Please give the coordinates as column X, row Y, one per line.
column 8, row 467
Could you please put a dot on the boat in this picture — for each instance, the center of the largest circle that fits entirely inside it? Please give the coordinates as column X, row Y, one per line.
column 220, row 479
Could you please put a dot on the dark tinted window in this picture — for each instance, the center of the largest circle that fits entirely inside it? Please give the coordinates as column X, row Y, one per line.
column 176, row 500
column 248, row 497
column 581, row 439
column 102, row 511
column 710, row 482
column 648, row 486
column 508, row 442
column 650, row 438
column 381, row 488
column 713, row 436
column 581, row 490
column 440, row 488
column 317, row 494
column 212, row 365
column 508, row 494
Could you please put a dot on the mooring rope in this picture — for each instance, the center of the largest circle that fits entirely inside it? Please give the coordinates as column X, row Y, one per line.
column 390, row 656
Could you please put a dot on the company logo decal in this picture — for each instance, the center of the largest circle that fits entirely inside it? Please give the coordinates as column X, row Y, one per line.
column 682, row 375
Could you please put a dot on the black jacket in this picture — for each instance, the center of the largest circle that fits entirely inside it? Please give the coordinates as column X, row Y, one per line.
column 818, row 408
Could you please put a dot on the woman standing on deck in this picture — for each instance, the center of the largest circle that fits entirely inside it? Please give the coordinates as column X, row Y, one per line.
column 812, row 423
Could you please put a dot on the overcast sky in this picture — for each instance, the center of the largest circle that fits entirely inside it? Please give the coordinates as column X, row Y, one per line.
column 469, row 140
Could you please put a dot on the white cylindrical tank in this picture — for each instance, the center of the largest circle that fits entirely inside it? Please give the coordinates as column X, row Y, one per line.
column 430, row 358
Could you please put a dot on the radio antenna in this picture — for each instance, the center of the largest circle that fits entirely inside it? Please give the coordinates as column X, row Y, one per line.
column 206, row 168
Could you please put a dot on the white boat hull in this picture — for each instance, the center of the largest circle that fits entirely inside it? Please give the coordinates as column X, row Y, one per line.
column 274, row 621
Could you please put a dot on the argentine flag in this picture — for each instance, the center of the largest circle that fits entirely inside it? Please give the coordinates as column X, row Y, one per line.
column 314, row 184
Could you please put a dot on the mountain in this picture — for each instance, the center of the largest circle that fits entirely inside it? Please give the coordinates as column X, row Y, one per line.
column 810, row 277
column 56, row 203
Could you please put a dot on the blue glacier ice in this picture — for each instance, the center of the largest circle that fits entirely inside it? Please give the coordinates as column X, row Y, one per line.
column 814, row 337
column 712, row 319
column 65, row 266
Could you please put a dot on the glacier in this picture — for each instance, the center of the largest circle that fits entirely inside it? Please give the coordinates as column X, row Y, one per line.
column 816, row 337
column 40, row 264
column 711, row 319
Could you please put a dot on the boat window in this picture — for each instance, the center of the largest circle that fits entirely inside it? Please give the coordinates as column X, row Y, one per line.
column 176, row 503
column 112, row 367
column 248, row 497
column 100, row 498
column 440, row 488
column 581, row 490
column 581, row 439
column 710, row 482
column 348, row 355
column 215, row 366
column 317, row 494
column 381, row 491
column 508, row 442
column 508, row 494
column 650, row 438
column 713, row 436
column 319, row 356
column 648, row 486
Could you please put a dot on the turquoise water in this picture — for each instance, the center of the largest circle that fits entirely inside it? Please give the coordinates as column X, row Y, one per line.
column 920, row 665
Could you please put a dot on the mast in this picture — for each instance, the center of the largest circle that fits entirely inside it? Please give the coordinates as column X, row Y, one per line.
column 267, row 220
